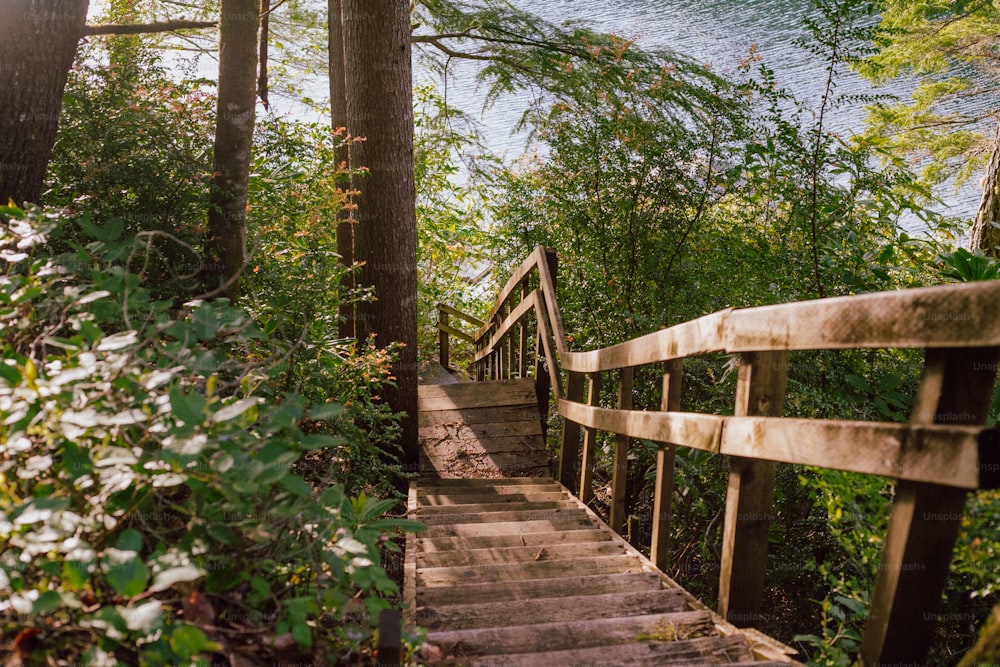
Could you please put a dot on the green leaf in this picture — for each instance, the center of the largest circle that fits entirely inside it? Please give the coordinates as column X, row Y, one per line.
column 326, row 411
column 321, row 441
column 129, row 540
column 47, row 602
column 296, row 485
column 206, row 322
column 187, row 641
column 303, row 635
column 189, row 408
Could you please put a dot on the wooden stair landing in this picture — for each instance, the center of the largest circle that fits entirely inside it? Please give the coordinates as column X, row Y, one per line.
column 481, row 429
column 517, row 571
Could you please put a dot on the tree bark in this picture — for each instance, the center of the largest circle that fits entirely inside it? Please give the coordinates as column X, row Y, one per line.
column 380, row 108
column 985, row 235
column 338, row 114
column 38, row 40
column 225, row 252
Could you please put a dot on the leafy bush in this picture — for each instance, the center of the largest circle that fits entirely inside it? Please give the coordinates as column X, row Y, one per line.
column 149, row 509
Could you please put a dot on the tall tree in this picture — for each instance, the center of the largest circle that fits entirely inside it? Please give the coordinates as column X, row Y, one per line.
column 38, row 40
column 380, row 108
column 338, row 115
column 226, row 248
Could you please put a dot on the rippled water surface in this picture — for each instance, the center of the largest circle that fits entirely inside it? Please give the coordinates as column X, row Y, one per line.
column 720, row 32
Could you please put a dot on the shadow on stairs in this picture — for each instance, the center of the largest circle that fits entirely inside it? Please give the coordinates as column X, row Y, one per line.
column 514, row 570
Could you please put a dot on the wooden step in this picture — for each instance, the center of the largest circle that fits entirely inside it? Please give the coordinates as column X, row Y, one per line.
column 554, row 512
column 550, row 610
column 449, row 500
column 483, row 483
column 531, row 589
column 488, row 415
column 508, row 572
column 732, row 651
column 538, row 539
column 426, row 513
column 550, row 552
column 567, row 521
column 467, row 395
column 567, row 635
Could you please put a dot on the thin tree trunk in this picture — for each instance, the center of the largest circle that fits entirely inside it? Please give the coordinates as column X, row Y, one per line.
column 985, row 233
column 226, row 249
column 380, row 108
column 338, row 113
column 38, row 40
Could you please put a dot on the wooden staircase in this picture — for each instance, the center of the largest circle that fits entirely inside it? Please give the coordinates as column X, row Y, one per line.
column 516, row 571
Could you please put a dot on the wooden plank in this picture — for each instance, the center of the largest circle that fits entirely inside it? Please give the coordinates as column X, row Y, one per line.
column 514, row 282
column 485, row 430
column 568, row 522
column 731, row 651
column 539, row 539
column 531, row 589
column 460, row 485
column 963, row 315
column 447, row 502
column 550, row 552
column 474, row 321
column 507, row 414
column 941, row 454
column 956, row 387
column 545, row 336
column 543, row 514
column 573, row 608
column 472, row 445
column 663, row 488
column 688, row 429
column 760, row 390
column 619, row 470
column 465, row 395
column 589, row 445
column 446, row 330
column 572, row 634
column 436, row 577
column 441, row 513
column 500, row 330
column 700, row 336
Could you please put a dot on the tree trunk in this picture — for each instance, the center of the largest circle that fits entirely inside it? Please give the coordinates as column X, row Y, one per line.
column 985, row 235
column 38, row 40
column 380, row 108
column 225, row 252
column 338, row 113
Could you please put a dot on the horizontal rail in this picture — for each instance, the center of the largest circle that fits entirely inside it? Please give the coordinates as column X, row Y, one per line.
column 457, row 333
column 966, row 315
column 939, row 454
column 474, row 321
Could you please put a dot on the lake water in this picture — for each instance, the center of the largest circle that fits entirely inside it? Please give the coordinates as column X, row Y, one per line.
column 720, row 32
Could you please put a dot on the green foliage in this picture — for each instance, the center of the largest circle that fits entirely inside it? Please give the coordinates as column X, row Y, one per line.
column 450, row 219
column 948, row 48
column 964, row 266
column 293, row 289
column 145, row 464
column 134, row 145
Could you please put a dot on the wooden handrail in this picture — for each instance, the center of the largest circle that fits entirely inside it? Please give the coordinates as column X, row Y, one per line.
column 944, row 452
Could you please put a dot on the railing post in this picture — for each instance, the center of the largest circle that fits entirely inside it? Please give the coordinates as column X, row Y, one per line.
column 956, row 387
column 619, row 473
column 663, row 491
column 760, row 391
column 522, row 342
column 590, row 444
column 569, row 451
column 443, row 355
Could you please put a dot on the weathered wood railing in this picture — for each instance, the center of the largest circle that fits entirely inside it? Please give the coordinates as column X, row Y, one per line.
column 936, row 459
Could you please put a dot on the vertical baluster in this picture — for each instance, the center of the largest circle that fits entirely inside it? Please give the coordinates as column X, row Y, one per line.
column 619, row 474
column 590, row 444
column 443, row 356
column 663, row 492
column 955, row 388
column 569, row 451
column 522, row 341
column 760, row 391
